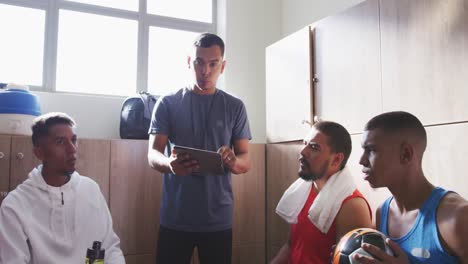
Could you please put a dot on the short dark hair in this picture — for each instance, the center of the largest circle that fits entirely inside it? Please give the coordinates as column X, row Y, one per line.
column 339, row 139
column 397, row 122
column 206, row 40
column 42, row 124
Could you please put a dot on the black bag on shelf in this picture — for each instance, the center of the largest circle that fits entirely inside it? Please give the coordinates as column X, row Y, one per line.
column 135, row 116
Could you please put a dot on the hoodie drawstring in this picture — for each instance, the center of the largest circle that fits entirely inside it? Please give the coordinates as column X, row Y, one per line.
column 62, row 199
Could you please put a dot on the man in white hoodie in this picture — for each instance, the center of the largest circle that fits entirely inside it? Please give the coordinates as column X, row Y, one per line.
column 56, row 214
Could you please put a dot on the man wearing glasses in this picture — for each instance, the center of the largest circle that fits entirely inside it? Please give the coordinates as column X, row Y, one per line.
column 197, row 208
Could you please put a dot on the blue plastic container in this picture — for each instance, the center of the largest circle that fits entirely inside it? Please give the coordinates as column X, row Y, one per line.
column 19, row 101
column 18, row 108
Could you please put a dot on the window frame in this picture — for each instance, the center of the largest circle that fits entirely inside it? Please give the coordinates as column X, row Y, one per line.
column 143, row 18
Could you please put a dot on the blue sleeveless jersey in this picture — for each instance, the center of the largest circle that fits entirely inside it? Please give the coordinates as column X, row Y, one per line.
column 421, row 243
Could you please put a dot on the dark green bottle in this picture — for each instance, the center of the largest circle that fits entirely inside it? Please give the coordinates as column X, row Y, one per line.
column 95, row 255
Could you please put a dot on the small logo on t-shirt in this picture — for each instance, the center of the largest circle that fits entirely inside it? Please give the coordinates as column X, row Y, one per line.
column 421, row 253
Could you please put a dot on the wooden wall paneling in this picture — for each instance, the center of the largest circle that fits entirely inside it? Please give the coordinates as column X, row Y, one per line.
column 22, row 159
column 135, row 196
column 5, row 148
column 249, row 209
column 288, row 87
column 424, row 58
column 272, row 251
column 249, row 200
column 94, row 162
column 140, row 259
column 282, row 168
column 446, row 156
column 347, row 65
column 249, row 254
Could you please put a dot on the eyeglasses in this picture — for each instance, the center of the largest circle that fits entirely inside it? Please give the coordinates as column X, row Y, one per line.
column 212, row 64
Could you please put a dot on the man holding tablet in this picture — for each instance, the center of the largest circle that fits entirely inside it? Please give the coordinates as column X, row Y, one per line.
column 197, row 206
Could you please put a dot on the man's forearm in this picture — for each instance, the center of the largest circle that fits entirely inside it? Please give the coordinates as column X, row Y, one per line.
column 242, row 165
column 159, row 161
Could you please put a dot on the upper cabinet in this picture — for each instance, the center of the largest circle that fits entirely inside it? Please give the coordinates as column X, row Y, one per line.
column 330, row 70
column 424, row 58
column 288, row 87
column 347, row 66
column 375, row 57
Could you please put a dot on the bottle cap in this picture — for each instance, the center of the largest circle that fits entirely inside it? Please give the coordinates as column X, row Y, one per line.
column 95, row 252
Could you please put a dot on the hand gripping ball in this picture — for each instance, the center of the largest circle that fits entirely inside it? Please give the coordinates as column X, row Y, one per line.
column 350, row 244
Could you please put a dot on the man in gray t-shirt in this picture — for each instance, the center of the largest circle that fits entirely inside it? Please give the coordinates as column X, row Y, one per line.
column 196, row 209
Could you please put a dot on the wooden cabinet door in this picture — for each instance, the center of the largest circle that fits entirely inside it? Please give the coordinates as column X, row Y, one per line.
column 249, row 210
column 347, row 66
column 424, row 58
column 135, row 196
column 5, row 146
column 282, row 170
column 445, row 159
column 288, row 87
column 22, row 158
column 140, row 259
column 94, row 162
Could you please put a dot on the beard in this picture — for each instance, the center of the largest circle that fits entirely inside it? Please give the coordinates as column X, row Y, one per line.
column 313, row 176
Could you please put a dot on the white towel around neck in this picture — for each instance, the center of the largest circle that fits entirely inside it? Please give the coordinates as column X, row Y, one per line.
column 325, row 206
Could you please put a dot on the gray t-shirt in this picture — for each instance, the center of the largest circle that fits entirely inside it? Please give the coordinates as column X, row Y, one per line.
column 199, row 203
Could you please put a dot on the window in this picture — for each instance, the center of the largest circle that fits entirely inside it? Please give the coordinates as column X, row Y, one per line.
column 120, row 4
column 21, row 44
column 111, row 47
column 93, row 55
column 199, row 10
column 168, row 48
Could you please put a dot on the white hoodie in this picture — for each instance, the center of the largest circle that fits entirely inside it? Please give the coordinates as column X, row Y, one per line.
column 43, row 224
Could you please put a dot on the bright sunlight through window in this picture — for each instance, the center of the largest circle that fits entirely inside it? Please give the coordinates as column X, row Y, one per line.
column 120, row 4
column 21, row 44
column 96, row 54
column 167, row 65
column 199, row 10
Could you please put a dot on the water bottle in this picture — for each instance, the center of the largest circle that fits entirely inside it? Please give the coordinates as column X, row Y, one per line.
column 95, row 255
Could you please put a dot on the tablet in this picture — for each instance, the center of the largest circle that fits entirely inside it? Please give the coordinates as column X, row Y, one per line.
column 209, row 161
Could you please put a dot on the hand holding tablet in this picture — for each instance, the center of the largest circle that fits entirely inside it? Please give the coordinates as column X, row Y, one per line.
column 209, row 161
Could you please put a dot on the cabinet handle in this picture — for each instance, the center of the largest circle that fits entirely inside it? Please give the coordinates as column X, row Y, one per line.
column 2, row 155
column 20, row 156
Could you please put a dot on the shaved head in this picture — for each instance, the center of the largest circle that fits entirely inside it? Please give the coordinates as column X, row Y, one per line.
column 402, row 126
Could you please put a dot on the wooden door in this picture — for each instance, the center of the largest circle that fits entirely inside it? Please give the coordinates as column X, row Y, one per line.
column 249, row 210
column 135, row 197
column 94, row 162
column 140, row 259
column 288, row 87
column 424, row 58
column 5, row 146
column 347, row 66
column 445, row 159
column 282, row 168
column 22, row 158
